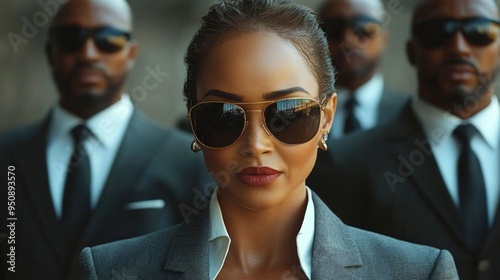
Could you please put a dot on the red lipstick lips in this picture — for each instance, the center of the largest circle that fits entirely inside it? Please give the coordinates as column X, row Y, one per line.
column 258, row 176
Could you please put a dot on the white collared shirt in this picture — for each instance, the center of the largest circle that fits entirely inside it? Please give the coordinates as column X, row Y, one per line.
column 439, row 126
column 108, row 128
column 368, row 97
column 219, row 240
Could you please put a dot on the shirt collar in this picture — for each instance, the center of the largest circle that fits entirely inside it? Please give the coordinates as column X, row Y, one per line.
column 305, row 237
column 437, row 121
column 367, row 95
column 219, row 239
column 103, row 125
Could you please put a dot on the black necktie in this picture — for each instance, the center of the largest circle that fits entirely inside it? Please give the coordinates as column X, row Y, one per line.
column 351, row 122
column 76, row 201
column 471, row 190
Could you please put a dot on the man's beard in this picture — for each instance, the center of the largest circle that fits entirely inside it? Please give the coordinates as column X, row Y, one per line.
column 360, row 72
column 459, row 95
column 90, row 100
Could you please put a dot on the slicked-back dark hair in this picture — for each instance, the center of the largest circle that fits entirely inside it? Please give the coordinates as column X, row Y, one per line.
column 289, row 20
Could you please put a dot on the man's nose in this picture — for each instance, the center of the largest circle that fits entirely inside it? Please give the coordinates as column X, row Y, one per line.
column 89, row 50
column 459, row 45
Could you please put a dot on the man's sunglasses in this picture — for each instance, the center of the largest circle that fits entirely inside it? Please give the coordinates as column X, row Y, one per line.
column 290, row 121
column 436, row 33
column 70, row 38
column 363, row 26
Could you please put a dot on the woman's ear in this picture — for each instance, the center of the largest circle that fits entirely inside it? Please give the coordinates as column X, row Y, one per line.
column 329, row 112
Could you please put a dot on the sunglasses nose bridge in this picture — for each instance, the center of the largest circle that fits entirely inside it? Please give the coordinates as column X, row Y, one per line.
column 88, row 48
column 459, row 41
column 261, row 123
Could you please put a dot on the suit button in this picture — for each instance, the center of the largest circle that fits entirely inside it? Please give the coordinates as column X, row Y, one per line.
column 484, row 265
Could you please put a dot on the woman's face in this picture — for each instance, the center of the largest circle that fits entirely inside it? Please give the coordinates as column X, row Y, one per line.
column 258, row 171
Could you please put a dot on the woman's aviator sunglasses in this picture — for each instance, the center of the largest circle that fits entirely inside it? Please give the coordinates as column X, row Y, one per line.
column 290, row 121
column 436, row 33
column 70, row 38
column 363, row 26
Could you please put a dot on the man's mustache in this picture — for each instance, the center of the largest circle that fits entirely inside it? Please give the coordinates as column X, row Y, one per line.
column 456, row 62
column 87, row 66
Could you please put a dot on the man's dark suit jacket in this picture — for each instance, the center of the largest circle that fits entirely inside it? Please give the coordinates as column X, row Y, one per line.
column 152, row 163
column 339, row 252
column 387, row 180
column 391, row 103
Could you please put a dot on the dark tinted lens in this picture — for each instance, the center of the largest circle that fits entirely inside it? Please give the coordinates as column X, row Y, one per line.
column 293, row 121
column 110, row 39
column 217, row 125
column 436, row 33
column 432, row 34
column 366, row 27
column 480, row 32
column 67, row 38
column 334, row 29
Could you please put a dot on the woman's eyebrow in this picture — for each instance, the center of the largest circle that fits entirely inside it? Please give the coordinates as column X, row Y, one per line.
column 223, row 94
column 267, row 96
column 283, row 92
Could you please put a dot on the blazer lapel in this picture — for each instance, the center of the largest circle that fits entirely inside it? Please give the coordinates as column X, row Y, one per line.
column 187, row 251
column 390, row 103
column 334, row 250
column 128, row 165
column 33, row 165
column 426, row 177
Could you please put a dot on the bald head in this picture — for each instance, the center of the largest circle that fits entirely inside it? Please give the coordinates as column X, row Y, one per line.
column 349, row 8
column 92, row 13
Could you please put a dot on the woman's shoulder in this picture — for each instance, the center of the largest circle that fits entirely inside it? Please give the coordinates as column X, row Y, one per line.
column 403, row 258
column 376, row 254
column 129, row 257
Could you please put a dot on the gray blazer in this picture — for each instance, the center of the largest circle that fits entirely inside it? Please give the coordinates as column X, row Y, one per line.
column 339, row 252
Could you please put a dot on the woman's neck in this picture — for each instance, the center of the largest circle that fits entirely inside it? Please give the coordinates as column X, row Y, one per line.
column 264, row 237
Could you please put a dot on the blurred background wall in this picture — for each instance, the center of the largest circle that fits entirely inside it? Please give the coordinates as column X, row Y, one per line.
column 163, row 29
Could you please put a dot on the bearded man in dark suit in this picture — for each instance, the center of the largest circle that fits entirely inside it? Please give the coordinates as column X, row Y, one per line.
column 95, row 169
column 431, row 175
column 357, row 39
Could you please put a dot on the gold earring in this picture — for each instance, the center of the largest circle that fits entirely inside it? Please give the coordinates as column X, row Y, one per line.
column 323, row 146
column 195, row 147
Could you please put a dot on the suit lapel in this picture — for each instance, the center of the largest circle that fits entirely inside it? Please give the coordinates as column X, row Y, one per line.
column 390, row 103
column 33, row 163
column 426, row 177
column 494, row 235
column 128, row 165
column 334, row 250
column 187, row 251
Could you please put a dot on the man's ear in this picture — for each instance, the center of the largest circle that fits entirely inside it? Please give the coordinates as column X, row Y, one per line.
column 386, row 37
column 133, row 52
column 410, row 52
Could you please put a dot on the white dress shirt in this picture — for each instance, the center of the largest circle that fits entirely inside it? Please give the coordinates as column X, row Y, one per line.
column 108, row 128
column 439, row 126
column 219, row 240
column 368, row 98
